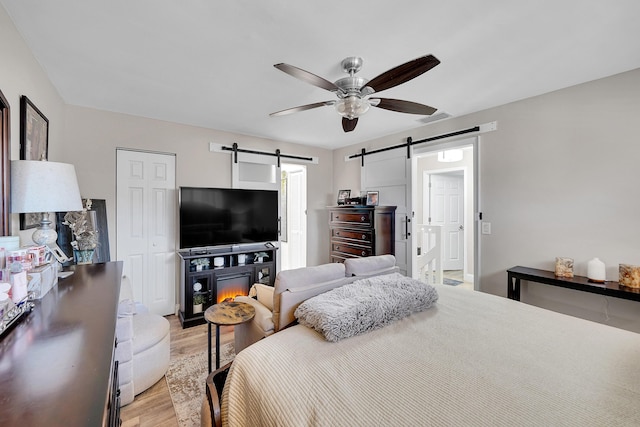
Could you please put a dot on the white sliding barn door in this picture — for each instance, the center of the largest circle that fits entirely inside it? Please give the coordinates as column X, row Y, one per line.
column 389, row 173
column 146, row 226
column 259, row 172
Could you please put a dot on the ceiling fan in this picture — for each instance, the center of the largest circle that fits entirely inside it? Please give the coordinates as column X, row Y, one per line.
column 354, row 93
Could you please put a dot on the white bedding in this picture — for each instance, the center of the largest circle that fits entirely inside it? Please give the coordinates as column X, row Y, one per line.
column 472, row 359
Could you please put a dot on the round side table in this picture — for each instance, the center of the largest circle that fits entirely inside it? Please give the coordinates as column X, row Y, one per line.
column 226, row 313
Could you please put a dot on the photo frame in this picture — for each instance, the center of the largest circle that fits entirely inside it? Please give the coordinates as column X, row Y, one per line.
column 372, row 198
column 34, row 132
column 343, row 195
column 34, row 145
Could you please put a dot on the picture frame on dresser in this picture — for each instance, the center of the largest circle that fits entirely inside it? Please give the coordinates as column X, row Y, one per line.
column 372, row 198
column 343, row 195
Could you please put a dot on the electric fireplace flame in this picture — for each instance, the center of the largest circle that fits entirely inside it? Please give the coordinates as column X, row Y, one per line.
column 229, row 293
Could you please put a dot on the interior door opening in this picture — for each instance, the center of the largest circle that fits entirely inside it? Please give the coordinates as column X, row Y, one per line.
column 293, row 213
column 445, row 203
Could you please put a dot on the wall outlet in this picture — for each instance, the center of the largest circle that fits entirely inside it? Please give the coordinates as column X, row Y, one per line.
column 486, row 227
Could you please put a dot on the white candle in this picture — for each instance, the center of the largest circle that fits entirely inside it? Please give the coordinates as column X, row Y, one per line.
column 596, row 271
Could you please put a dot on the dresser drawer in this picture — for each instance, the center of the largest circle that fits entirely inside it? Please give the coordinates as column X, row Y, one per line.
column 340, row 257
column 345, row 233
column 346, row 248
column 362, row 217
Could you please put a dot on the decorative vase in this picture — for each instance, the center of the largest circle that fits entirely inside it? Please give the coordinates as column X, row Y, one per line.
column 83, row 256
column 596, row 271
column 197, row 308
column 564, row 267
column 199, row 267
column 629, row 275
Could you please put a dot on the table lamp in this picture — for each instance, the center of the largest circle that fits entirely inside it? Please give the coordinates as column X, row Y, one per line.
column 43, row 187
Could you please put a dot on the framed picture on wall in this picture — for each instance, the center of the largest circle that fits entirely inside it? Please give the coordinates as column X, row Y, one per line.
column 34, row 145
column 34, row 132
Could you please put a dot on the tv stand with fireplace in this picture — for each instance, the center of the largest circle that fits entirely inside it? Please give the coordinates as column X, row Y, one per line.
column 221, row 276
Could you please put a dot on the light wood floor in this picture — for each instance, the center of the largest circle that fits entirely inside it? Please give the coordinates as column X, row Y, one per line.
column 458, row 275
column 153, row 407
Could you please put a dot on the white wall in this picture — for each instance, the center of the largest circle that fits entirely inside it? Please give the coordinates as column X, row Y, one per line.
column 558, row 178
column 20, row 74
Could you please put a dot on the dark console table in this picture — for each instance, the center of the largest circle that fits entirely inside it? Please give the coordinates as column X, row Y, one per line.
column 578, row 283
column 57, row 365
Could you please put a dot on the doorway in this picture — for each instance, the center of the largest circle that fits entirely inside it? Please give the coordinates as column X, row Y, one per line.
column 445, row 200
column 293, row 198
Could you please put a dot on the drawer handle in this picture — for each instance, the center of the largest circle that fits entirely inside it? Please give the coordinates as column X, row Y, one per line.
column 337, row 216
column 363, row 253
column 362, row 218
column 337, row 233
column 364, row 237
column 337, row 248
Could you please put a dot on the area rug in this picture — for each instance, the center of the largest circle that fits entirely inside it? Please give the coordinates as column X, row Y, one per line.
column 186, row 377
column 451, row 282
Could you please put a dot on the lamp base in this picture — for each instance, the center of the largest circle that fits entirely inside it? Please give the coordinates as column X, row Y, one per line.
column 45, row 234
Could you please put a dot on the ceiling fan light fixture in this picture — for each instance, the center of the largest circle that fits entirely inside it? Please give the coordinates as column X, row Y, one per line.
column 352, row 106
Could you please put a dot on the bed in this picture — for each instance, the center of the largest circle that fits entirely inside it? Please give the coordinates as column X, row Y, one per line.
column 470, row 359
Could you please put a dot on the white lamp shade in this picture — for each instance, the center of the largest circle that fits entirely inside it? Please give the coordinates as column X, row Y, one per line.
column 41, row 186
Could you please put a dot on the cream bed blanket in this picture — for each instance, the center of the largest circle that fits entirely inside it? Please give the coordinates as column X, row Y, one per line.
column 472, row 359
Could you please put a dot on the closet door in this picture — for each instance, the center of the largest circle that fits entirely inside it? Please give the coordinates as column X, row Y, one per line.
column 146, row 226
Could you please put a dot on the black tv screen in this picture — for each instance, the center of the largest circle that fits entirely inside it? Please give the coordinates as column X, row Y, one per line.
column 226, row 216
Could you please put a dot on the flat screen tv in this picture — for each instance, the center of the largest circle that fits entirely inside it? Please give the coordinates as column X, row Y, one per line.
column 225, row 216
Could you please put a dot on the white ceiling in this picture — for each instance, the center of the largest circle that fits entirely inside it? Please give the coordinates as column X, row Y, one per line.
column 210, row 63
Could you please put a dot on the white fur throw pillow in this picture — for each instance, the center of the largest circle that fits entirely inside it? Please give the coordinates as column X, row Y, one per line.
column 365, row 305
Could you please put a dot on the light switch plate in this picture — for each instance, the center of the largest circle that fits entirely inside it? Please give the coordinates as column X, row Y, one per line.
column 486, row 228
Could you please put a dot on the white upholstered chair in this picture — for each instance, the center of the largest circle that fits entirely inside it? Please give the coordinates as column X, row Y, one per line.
column 143, row 345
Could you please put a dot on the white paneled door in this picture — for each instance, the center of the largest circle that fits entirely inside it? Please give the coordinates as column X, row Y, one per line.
column 146, row 226
column 447, row 210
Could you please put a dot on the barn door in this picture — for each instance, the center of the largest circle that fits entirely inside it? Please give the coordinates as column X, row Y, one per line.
column 258, row 172
column 389, row 173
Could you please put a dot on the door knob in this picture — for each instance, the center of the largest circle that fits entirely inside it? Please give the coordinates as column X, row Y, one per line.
column 461, row 228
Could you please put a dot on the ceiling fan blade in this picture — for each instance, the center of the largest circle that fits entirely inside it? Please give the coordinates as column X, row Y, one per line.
column 349, row 124
column 302, row 108
column 308, row 77
column 403, row 73
column 403, row 106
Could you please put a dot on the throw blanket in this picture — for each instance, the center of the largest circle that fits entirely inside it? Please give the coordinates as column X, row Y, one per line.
column 472, row 359
column 365, row 305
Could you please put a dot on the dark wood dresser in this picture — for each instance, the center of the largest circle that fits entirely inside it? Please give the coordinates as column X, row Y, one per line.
column 57, row 366
column 361, row 231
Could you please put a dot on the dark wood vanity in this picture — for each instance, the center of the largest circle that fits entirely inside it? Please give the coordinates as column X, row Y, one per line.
column 56, row 365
